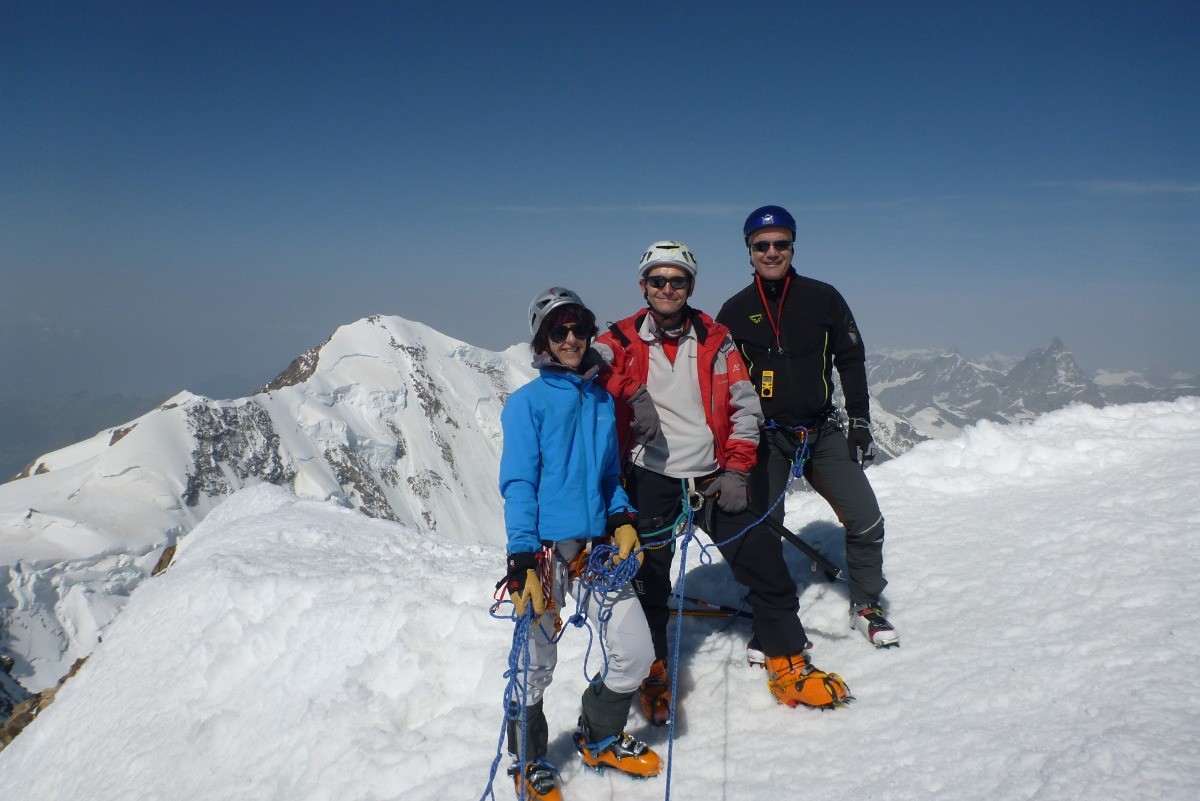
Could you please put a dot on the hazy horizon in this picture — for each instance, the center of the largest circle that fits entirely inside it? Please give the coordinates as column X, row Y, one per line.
column 33, row 426
column 196, row 193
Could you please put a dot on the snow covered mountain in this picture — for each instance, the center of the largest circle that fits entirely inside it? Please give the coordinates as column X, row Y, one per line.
column 1142, row 387
column 388, row 417
column 938, row 393
column 298, row 650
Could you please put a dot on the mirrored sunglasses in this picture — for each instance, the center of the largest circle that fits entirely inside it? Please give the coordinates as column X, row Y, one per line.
column 676, row 281
column 781, row 245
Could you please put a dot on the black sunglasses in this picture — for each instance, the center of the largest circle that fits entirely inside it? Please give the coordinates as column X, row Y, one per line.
column 676, row 281
column 558, row 334
column 780, row 245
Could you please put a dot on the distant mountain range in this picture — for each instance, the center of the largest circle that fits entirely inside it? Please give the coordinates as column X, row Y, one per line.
column 919, row 395
column 916, row 395
column 391, row 418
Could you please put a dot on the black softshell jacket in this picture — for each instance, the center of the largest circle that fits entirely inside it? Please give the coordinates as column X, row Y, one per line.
column 816, row 332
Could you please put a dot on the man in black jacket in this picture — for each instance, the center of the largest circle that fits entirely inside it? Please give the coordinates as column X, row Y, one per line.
column 792, row 331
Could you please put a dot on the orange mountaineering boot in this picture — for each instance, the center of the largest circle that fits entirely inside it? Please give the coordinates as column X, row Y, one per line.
column 537, row 782
column 793, row 681
column 620, row 751
column 655, row 694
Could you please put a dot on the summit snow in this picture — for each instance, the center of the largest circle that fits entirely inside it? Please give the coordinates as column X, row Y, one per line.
column 297, row 649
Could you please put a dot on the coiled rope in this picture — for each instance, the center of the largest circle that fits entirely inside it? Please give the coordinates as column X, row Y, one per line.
column 601, row 578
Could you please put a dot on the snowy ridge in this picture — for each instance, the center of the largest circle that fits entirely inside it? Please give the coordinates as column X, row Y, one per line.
column 388, row 417
column 298, row 650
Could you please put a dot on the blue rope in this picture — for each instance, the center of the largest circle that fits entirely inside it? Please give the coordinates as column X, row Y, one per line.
column 687, row 535
column 603, row 578
column 600, row 576
column 801, row 456
column 514, row 693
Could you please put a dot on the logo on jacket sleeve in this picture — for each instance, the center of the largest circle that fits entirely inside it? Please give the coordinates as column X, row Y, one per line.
column 756, row 318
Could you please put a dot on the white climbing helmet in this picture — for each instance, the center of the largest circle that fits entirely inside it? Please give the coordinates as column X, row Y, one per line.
column 669, row 252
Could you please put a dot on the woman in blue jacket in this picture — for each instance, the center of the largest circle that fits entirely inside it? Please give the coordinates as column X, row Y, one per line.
column 560, row 478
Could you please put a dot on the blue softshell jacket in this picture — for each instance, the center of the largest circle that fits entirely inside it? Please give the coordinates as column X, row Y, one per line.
column 560, row 471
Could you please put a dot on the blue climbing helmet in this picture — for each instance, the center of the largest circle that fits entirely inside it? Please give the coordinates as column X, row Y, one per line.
column 768, row 217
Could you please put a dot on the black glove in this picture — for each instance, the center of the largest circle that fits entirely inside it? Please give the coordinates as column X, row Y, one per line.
column 731, row 489
column 858, row 437
column 523, row 583
column 645, row 423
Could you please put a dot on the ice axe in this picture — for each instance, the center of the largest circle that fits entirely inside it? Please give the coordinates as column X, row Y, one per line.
column 710, row 609
column 832, row 571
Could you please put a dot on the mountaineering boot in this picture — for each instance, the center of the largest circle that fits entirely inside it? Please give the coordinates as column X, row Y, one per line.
column 869, row 619
column 655, row 694
column 537, row 781
column 619, row 751
column 793, row 680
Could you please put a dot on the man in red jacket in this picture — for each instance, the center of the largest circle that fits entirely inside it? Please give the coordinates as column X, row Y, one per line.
column 689, row 420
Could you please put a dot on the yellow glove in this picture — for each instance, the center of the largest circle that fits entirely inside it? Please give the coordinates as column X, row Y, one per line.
column 524, row 585
column 530, row 590
column 626, row 540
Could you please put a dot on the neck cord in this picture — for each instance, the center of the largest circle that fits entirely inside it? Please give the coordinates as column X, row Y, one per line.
column 773, row 320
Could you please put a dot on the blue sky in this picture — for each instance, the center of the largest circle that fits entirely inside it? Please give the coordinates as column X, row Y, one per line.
column 193, row 193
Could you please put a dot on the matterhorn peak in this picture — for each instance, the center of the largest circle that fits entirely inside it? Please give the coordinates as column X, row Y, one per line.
column 1047, row 379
